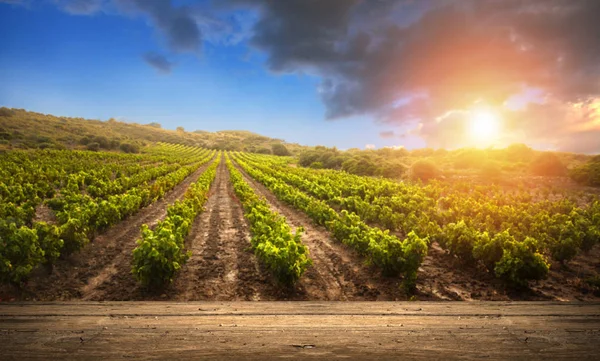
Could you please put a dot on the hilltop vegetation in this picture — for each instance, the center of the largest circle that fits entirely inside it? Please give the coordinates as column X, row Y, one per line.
column 495, row 165
column 21, row 129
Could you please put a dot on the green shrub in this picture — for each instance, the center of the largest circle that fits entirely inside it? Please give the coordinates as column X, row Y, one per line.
column 159, row 256
column 102, row 141
column 49, row 240
column 280, row 149
column 73, row 232
column 424, row 170
column 589, row 173
column 263, row 150
column 5, row 112
column 459, row 239
column 521, row 262
column 20, row 253
column 129, row 148
column 360, row 165
column 93, row 147
column 489, row 250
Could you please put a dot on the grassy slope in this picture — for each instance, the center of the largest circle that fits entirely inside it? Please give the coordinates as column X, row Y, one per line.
column 22, row 129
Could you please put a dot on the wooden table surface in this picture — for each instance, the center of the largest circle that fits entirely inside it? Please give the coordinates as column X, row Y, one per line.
column 302, row 330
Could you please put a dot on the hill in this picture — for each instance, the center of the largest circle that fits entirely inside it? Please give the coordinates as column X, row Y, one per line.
column 21, row 129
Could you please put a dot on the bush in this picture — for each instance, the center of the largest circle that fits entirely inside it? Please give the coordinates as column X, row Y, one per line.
column 589, row 173
column 489, row 250
column 45, row 145
column 316, row 165
column 129, row 148
column 548, row 165
column 21, row 252
column 520, row 263
column 330, row 157
column 17, row 135
column 158, row 256
column 49, row 240
column 424, row 170
column 392, row 170
column 5, row 112
column 102, row 141
column 458, row 239
column 263, row 151
column 567, row 245
column 93, row 147
column 359, row 166
column 280, row 149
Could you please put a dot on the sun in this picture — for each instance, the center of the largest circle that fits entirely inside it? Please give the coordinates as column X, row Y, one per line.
column 484, row 125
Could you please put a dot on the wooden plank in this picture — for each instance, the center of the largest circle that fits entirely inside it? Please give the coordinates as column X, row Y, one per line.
column 78, row 308
column 307, row 330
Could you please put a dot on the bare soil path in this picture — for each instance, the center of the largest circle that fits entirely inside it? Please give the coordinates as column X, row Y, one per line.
column 222, row 266
column 300, row 330
column 337, row 273
column 102, row 270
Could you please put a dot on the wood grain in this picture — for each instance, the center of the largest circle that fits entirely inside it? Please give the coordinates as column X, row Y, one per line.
column 306, row 330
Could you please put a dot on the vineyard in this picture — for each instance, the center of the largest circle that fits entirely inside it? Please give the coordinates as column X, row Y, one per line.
column 185, row 223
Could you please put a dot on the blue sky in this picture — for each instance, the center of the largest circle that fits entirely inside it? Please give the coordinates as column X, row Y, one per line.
column 345, row 73
column 92, row 66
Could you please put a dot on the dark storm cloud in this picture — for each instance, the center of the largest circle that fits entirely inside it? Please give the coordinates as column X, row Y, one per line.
column 176, row 23
column 456, row 51
column 299, row 33
column 158, row 62
column 371, row 54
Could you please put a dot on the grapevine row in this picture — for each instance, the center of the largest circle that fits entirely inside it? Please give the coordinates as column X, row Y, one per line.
column 160, row 252
column 23, row 246
column 273, row 242
column 508, row 233
column 392, row 255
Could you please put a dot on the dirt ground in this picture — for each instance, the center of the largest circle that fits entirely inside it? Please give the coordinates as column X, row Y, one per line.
column 300, row 330
column 222, row 266
column 442, row 277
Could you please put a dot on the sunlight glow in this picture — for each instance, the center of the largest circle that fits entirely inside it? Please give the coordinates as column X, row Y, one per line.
column 484, row 125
